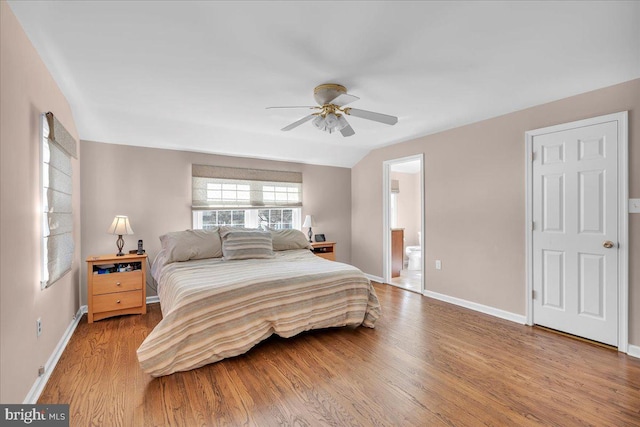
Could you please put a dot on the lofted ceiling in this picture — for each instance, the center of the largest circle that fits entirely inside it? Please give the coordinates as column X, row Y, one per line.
column 198, row 75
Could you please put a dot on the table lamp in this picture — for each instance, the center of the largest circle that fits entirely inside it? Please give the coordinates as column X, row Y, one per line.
column 309, row 222
column 120, row 227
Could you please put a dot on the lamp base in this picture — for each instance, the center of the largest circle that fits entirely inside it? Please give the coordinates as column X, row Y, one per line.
column 310, row 233
column 120, row 244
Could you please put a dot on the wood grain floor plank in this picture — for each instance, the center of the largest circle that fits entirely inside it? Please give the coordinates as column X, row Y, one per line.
column 427, row 363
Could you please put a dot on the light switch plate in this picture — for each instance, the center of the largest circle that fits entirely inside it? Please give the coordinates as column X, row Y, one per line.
column 634, row 205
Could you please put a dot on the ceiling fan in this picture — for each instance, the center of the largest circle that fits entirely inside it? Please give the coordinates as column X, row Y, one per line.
column 332, row 99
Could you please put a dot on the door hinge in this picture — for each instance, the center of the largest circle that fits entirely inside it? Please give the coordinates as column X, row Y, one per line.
column 533, row 225
column 533, row 294
column 533, row 156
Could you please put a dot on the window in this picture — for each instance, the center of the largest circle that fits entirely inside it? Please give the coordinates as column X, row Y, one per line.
column 234, row 218
column 246, row 198
column 58, row 246
column 279, row 218
column 276, row 219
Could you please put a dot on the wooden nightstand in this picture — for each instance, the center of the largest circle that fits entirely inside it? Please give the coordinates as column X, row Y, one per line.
column 324, row 250
column 113, row 292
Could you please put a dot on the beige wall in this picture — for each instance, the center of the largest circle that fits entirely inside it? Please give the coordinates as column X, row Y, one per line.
column 475, row 201
column 28, row 90
column 153, row 187
column 408, row 206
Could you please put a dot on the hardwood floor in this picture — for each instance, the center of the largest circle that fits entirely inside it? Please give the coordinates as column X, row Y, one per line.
column 427, row 363
column 410, row 280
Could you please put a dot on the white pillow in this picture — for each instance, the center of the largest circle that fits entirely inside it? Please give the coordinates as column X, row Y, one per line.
column 191, row 244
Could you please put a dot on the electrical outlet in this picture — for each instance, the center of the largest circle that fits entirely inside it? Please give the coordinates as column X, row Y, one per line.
column 438, row 264
column 38, row 327
column 41, row 371
column 634, row 205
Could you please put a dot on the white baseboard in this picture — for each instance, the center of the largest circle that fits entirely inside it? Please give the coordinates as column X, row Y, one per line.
column 374, row 278
column 492, row 311
column 633, row 351
column 41, row 381
column 154, row 299
column 496, row 312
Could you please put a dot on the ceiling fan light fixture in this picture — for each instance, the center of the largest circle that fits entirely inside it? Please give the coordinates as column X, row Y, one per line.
column 331, row 121
column 319, row 122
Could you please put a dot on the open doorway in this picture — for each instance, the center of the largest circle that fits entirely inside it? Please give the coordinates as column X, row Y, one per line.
column 403, row 223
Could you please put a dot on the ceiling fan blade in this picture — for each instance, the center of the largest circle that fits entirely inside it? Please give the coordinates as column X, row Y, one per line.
column 299, row 122
column 310, row 108
column 370, row 115
column 347, row 131
column 343, row 99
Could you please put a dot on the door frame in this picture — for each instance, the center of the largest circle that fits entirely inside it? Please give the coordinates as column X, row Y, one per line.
column 386, row 216
column 623, row 216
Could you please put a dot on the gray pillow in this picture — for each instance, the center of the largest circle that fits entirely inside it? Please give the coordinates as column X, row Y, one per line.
column 287, row 239
column 246, row 244
column 191, row 244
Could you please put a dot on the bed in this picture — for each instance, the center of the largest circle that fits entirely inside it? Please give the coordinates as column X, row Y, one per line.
column 215, row 307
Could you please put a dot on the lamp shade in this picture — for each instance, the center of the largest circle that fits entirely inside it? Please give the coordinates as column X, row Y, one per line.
column 120, row 226
column 309, row 221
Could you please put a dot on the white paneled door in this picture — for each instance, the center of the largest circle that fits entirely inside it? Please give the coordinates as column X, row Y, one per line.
column 575, row 231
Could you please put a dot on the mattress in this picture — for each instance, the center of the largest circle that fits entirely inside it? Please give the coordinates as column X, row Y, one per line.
column 213, row 309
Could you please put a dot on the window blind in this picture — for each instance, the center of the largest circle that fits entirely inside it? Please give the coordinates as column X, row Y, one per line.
column 217, row 187
column 58, row 146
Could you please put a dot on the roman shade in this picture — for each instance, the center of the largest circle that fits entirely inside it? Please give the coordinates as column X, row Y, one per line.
column 58, row 146
column 218, row 187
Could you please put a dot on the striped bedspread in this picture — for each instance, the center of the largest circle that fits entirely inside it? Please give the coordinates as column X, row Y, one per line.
column 213, row 309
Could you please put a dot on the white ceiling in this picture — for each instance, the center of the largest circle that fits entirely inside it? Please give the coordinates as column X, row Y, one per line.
column 198, row 75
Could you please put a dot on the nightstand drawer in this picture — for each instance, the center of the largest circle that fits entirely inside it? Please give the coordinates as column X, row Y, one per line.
column 331, row 256
column 326, row 250
column 117, row 282
column 117, row 301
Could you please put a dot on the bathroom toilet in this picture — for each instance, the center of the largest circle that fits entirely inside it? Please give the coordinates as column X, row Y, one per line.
column 414, row 253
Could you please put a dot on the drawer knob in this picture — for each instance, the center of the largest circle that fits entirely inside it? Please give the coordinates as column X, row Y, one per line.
column 118, row 302
column 117, row 283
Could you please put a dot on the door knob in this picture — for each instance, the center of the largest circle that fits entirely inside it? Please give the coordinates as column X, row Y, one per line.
column 608, row 244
